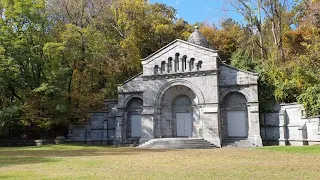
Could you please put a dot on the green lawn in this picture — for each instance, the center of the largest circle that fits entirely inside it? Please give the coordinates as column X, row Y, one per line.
column 91, row 162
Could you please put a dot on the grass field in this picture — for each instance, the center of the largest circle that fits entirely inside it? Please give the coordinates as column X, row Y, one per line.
column 91, row 162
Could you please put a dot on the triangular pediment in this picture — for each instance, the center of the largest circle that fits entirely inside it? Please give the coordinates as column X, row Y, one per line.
column 176, row 45
column 176, row 51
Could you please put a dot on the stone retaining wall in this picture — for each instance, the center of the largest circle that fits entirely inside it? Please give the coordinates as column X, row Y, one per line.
column 99, row 130
column 283, row 124
column 286, row 124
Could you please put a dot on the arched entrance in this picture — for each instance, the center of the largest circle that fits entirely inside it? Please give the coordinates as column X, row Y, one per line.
column 133, row 117
column 179, row 113
column 235, row 116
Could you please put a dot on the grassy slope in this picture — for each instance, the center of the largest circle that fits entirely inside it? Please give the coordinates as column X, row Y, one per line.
column 90, row 162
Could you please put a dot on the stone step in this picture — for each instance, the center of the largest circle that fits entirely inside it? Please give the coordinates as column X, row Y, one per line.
column 185, row 145
column 182, row 147
column 237, row 142
column 234, row 139
column 177, row 143
column 202, row 144
column 180, row 142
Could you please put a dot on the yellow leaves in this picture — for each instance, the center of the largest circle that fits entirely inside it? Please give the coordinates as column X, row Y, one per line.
column 16, row 8
column 2, row 50
column 224, row 40
column 299, row 83
column 72, row 33
column 185, row 35
column 131, row 52
column 293, row 41
column 163, row 28
column 53, row 45
column 209, row 33
column 129, row 13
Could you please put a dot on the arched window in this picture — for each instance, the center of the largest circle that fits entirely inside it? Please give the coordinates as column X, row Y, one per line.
column 176, row 62
column 191, row 64
column 184, row 63
column 169, row 64
column 156, row 69
column 199, row 65
column 163, row 67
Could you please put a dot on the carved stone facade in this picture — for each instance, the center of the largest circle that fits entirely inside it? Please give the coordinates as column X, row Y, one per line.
column 185, row 82
column 186, row 91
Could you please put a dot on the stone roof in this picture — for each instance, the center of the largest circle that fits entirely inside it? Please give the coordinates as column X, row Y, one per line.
column 197, row 38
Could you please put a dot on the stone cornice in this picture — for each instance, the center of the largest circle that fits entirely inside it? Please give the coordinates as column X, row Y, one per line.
column 253, row 102
column 131, row 92
column 237, row 85
column 151, row 57
column 180, row 75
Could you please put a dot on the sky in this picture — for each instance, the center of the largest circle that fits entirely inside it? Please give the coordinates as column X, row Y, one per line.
column 209, row 11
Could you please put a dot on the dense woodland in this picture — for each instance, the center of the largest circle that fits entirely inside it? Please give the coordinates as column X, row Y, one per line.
column 59, row 59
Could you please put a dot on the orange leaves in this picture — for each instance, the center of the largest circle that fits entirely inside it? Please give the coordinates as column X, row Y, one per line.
column 292, row 42
column 226, row 40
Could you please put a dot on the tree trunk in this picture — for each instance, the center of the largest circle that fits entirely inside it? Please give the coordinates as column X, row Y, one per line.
column 280, row 38
column 260, row 30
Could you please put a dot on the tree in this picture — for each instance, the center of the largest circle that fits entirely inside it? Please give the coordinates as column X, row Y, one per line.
column 251, row 12
column 23, row 35
column 227, row 39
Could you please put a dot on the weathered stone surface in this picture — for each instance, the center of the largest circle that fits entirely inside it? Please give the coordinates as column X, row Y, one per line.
column 197, row 38
column 287, row 126
column 187, row 77
column 177, row 143
column 189, row 69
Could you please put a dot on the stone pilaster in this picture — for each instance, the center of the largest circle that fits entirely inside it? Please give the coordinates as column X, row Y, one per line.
column 119, row 128
column 88, row 135
column 157, row 122
column 254, row 124
column 147, row 124
column 283, row 140
column 210, row 120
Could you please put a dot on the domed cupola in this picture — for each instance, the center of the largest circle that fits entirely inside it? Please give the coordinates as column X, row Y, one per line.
column 197, row 38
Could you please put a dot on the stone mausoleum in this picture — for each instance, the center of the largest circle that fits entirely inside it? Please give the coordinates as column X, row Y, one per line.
column 185, row 91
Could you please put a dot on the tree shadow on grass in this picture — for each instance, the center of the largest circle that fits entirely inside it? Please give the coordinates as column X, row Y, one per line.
column 5, row 177
column 8, row 161
column 64, row 151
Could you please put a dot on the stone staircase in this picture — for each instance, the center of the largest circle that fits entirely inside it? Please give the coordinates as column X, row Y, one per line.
column 237, row 142
column 177, row 143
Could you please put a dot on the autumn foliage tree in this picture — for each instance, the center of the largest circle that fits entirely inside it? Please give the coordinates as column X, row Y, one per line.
column 59, row 59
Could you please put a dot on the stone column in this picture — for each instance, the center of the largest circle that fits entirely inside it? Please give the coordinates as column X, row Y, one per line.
column 210, row 120
column 88, row 135
column 157, row 123
column 118, row 139
column 147, row 124
column 303, row 135
column 283, row 140
column 254, row 124
column 105, row 137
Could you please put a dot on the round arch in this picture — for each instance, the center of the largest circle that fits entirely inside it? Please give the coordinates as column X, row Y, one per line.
column 180, row 82
column 127, row 100
column 178, row 108
column 134, row 103
column 234, row 115
column 243, row 92
column 133, row 110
